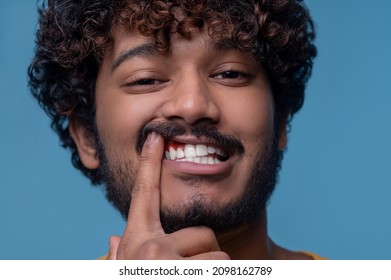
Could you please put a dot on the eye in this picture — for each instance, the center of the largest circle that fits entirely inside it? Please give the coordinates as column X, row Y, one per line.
column 229, row 75
column 233, row 78
column 144, row 82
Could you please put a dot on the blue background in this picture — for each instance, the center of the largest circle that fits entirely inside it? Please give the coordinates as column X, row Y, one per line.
column 334, row 196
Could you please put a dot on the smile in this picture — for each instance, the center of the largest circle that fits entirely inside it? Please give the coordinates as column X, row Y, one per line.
column 199, row 153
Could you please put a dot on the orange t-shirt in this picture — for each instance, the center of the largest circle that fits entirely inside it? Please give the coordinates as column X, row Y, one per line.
column 311, row 255
column 314, row 256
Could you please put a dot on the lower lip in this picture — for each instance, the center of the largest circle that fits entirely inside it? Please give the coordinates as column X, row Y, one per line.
column 191, row 168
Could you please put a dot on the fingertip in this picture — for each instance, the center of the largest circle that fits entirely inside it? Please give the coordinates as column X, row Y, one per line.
column 113, row 247
column 153, row 144
column 152, row 138
column 114, row 239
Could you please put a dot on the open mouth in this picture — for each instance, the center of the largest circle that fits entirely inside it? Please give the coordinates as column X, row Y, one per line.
column 196, row 153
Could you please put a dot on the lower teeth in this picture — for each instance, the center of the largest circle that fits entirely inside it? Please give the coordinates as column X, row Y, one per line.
column 201, row 160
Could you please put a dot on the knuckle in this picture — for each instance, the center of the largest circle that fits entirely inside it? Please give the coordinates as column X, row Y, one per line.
column 143, row 185
column 222, row 256
column 140, row 185
column 123, row 250
column 208, row 233
column 145, row 165
column 149, row 250
column 152, row 250
column 145, row 158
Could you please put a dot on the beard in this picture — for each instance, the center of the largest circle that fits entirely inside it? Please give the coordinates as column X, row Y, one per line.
column 118, row 174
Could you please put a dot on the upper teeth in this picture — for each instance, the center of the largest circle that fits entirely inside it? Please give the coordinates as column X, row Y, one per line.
column 195, row 153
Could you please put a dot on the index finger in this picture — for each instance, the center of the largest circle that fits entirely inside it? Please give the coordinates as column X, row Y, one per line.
column 144, row 211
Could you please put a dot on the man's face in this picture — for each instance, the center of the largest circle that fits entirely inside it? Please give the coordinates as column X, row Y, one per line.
column 215, row 110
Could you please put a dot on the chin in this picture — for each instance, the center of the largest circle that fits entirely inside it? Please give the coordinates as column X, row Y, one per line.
column 191, row 191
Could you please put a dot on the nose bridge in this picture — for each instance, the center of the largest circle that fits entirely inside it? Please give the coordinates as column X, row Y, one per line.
column 191, row 99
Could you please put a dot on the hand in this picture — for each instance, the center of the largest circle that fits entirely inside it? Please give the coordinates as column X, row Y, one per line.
column 144, row 237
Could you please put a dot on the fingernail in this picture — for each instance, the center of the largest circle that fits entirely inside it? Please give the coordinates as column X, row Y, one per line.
column 151, row 138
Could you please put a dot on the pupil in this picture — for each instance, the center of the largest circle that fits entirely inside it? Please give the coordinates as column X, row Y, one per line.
column 146, row 82
column 231, row 74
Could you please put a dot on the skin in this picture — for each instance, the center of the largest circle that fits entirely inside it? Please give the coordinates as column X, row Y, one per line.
column 194, row 84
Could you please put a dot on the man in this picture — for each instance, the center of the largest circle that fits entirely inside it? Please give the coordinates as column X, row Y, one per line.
column 180, row 108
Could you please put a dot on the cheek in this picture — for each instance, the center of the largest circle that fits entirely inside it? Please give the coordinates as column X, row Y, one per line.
column 251, row 117
column 120, row 117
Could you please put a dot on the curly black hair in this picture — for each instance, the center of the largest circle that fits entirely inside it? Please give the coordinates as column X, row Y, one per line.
column 73, row 36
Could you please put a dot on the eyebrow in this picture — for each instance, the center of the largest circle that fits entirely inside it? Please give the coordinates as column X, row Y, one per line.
column 144, row 50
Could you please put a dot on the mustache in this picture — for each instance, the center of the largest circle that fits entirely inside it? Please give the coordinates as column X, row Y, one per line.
column 169, row 130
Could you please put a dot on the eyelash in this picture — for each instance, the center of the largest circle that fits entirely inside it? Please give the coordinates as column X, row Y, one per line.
column 237, row 74
column 142, row 82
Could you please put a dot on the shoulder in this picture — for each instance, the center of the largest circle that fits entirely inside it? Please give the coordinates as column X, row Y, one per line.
column 285, row 254
column 313, row 256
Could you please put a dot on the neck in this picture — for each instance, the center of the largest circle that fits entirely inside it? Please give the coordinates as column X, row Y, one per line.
column 249, row 242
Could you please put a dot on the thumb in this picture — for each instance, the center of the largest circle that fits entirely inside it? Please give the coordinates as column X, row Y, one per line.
column 113, row 247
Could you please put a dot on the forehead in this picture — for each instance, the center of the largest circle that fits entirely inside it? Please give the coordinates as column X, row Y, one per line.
column 128, row 44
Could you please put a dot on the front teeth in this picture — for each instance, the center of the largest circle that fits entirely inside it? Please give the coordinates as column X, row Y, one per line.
column 201, row 150
column 190, row 151
column 194, row 153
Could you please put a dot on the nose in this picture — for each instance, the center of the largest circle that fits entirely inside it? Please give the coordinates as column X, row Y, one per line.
column 192, row 101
